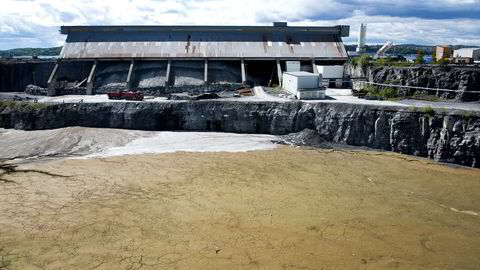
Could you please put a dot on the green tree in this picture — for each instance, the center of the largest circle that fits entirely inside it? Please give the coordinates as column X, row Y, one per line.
column 420, row 57
column 434, row 57
column 443, row 62
column 364, row 60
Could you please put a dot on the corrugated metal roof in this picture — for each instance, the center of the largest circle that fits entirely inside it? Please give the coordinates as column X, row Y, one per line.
column 98, row 42
column 340, row 30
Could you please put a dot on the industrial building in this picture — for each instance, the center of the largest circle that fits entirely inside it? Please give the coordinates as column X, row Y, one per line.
column 467, row 55
column 362, row 39
column 169, row 56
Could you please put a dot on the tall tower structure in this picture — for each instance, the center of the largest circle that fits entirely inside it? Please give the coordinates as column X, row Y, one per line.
column 362, row 37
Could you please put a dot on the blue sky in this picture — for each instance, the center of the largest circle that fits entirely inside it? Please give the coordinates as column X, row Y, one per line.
column 34, row 23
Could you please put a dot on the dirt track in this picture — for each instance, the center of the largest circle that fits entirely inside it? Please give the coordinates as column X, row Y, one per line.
column 289, row 208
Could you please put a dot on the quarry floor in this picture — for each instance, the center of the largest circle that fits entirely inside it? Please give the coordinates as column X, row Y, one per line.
column 334, row 95
column 278, row 207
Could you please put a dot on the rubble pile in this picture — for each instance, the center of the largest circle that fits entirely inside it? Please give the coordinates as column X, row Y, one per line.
column 35, row 90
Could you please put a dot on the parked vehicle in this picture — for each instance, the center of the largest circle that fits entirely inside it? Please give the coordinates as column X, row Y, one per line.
column 130, row 95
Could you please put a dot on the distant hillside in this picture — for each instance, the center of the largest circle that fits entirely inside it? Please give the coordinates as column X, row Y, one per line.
column 403, row 49
column 31, row 52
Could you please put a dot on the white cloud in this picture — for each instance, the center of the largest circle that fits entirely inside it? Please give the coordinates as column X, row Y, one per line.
column 381, row 29
column 35, row 23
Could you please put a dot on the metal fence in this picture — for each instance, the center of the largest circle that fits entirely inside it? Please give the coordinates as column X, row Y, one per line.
column 420, row 88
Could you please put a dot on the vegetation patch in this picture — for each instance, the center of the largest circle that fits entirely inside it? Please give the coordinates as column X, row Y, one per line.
column 384, row 92
column 367, row 60
column 426, row 97
column 31, row 52
column 469, row 115
column 393, row 62
column 428, row 111
column 362, row 61
column 430, row 98
column 5, row 260
column 22, row 105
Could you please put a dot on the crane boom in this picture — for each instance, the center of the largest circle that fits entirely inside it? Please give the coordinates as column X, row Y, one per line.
column 384, row 49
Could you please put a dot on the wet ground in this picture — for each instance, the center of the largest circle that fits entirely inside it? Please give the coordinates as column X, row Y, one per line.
column 286, row 208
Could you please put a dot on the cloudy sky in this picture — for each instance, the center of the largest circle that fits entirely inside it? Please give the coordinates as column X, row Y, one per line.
column 34, row 23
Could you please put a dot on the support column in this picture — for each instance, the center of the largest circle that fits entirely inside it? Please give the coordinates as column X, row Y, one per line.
column 130, row 74
column 52, row 82
column 339, row 83
column 205, row 75
column 91, row 78
column 314, row 66
column 279, row 72
column 244, row 74
column 167, row 76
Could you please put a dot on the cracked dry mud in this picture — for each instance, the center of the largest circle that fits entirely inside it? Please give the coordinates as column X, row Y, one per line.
column 289, row 208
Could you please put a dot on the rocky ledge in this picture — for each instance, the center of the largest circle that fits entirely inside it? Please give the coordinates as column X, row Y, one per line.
column 463, row 79
column 443, row 136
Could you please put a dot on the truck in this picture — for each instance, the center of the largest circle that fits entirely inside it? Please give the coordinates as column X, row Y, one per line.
column 130, row 95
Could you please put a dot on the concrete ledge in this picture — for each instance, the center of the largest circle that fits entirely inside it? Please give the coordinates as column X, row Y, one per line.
column 311, row 93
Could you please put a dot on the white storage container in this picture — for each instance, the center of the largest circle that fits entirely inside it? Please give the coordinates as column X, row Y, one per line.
column 292, row 81
column 304, row 85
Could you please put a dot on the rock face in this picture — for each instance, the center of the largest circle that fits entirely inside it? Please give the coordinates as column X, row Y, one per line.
column 35, row 90
column 306, row 137
column 463, row 79
column 444, row 137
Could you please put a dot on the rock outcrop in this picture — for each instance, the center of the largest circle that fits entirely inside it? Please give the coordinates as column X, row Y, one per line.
column 463, row 79
column 35, row 90
column 448, row 137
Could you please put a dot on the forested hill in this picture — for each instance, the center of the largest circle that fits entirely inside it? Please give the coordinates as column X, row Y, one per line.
column 31, row 52
column 404, row 49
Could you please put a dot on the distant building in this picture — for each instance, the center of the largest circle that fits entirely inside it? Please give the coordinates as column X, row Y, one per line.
column 463, row 60
column 362, row 38
column 22, row 57
column 444, row 52
column 466, row 55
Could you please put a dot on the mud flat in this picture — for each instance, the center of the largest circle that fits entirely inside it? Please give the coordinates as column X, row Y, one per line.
column 284, row 208
column 79, row 142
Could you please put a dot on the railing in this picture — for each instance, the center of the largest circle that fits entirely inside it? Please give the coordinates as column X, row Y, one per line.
column 421, row 88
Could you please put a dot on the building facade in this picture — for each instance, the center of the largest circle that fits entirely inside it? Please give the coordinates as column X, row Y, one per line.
column 246, row 48
column 467, row 55
column 444, row 52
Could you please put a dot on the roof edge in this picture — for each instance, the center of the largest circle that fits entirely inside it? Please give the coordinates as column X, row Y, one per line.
column 341, row 30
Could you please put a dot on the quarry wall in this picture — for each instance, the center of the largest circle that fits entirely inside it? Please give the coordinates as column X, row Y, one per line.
column 16, row 75
column 455, row 78
column 443, row 136
column 463, row 79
